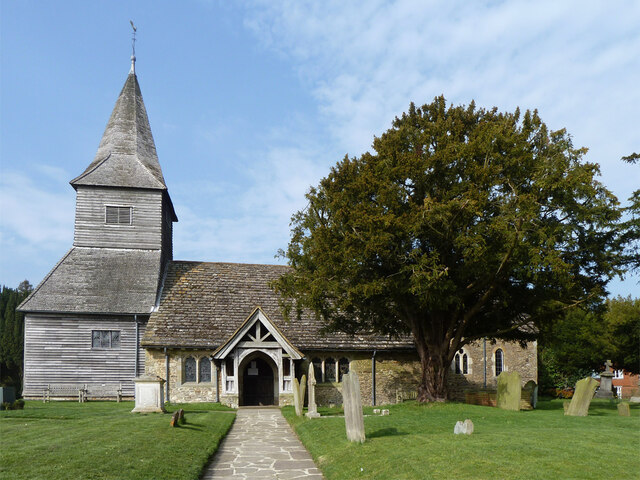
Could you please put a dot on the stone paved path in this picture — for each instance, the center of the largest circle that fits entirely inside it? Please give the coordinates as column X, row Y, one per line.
column 261, row 445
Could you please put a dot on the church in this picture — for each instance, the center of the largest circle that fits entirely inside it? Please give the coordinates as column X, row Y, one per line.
column 117, row 305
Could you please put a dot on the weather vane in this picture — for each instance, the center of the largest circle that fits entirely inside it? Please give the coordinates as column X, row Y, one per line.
column 133, row 48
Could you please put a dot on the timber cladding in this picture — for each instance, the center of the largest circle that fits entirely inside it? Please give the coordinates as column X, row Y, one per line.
column 58, row 350
column 144, row 232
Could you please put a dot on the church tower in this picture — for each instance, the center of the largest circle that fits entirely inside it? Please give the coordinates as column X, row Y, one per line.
column 84, row 321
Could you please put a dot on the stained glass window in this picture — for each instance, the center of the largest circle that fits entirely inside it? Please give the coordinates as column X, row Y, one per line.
column 499, row 362
column 457, row 363
column 329, row 370
column 205, row 370
column 190, row 369
column 465, row 364
column 105, row 339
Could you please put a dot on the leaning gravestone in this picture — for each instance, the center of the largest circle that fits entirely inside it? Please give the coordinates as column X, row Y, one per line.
column 353, row 417
column 579, row 406
column 531, row 390
column 298, row 394
column 624, row 410
column 509, row 391
column 312, row 411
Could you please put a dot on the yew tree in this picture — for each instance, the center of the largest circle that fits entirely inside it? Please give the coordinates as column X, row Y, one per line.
column 461, row 224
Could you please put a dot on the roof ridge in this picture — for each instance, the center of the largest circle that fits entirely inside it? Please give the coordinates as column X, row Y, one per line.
column 231, row 263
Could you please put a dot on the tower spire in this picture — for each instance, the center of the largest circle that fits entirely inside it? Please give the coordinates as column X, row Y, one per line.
column 133, row 48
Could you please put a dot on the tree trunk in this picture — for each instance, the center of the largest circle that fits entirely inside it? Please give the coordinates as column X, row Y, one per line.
column 435, row 367
column 433, row 381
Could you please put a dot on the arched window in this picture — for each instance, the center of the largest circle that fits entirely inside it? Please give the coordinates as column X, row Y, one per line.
column 457, row 363
column 465, row 364
column 190, row 369
column 205, row 369
column 499, row 362
column 343, row 367
column 329, row 370
column 317, row 369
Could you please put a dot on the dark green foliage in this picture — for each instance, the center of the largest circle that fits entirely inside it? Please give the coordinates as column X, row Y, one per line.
column 632, row 225
column 12, row 335
column 578, row 343
column 463, row 223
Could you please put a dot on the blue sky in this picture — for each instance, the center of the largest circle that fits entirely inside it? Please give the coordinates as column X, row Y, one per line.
column 251, row 103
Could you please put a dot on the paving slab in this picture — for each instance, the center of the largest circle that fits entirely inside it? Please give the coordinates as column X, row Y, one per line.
column 261, row 445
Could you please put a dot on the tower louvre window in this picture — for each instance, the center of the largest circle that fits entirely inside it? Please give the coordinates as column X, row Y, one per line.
column 115, row 215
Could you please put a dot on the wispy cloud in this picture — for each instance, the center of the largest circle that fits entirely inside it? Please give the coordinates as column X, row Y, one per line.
column 574, row 61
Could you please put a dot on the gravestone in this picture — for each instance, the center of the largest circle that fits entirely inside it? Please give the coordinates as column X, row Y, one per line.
column 353, row 417
column 579, row 406
column 149, row 394
column 635, row 396
column 298, row 394
column 531, row 389
column 177, row 418
column 312, row 411
column 605, row 390
column 509, row 391
column 624, row 410
column 384, row 412
column 464, row 428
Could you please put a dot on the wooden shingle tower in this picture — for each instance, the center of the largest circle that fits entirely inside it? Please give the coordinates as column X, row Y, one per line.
column 84, row 321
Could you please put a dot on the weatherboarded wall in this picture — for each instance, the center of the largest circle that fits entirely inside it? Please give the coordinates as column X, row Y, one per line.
column 145, row 231
column 57, row 350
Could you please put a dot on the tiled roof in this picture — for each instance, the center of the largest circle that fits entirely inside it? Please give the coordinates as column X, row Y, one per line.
column 203, row 304
column 127, row 154
column 99, row 280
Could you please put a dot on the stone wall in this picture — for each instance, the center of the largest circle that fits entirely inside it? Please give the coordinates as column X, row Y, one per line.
column 401, row 371
column 395, row 372
column 180, row 391
column 190, row 392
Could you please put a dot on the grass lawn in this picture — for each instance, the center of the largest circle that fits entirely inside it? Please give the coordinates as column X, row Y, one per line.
column 417, row 442
column 103, row 440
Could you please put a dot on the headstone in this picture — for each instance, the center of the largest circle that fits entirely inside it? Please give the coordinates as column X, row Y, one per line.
column 376, row 411
column 606, row 389
column 464, row 428
column 468, row 426
column 175, row 419
column 532, row 392
column 312, row 410
column 579, row 406
column 509, row 391
column 384, row 412
column 624, row 410
column 149, row 394
column 297, row 403
column 353, row 417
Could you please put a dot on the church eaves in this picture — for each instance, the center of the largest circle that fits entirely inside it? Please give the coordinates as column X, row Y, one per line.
column 126, row 155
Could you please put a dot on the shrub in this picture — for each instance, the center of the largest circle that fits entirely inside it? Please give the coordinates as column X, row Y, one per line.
column 18, row 404
column 5, row 406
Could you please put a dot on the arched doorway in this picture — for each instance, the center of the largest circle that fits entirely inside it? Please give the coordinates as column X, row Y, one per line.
column 258, row 384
